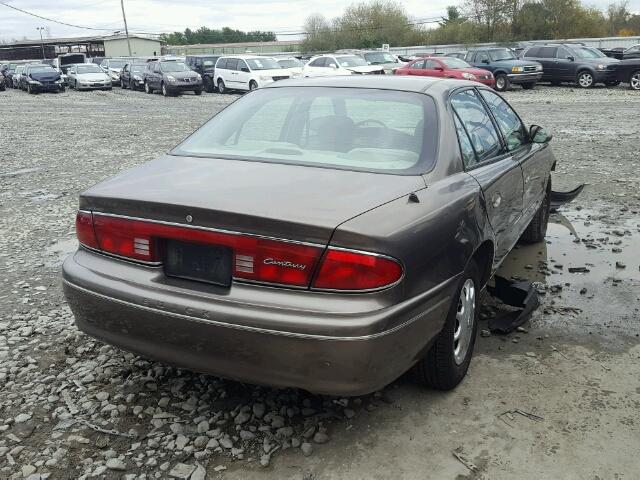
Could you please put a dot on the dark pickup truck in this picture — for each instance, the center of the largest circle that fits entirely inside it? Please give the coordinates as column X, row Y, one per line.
column 506, row 67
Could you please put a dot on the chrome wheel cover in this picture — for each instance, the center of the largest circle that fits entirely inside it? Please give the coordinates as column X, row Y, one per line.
column 464, row 323
column 635, row 81
column 585, row 80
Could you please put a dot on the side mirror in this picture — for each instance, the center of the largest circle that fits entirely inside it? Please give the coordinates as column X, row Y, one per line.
column 440, row 69
column 538, row 135
column 245, row 69
column 571, row 58
column 486, row 61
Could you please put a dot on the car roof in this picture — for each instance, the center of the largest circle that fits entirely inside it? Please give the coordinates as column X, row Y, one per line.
column 245, row 56
column 382, row 82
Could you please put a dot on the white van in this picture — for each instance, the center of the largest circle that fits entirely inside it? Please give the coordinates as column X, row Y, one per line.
column 247, row 72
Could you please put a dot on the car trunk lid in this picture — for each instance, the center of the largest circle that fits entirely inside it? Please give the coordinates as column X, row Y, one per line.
column 294, row 202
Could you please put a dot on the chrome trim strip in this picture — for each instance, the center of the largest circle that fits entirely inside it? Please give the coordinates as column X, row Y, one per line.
column 373, row 336
column 208, row 229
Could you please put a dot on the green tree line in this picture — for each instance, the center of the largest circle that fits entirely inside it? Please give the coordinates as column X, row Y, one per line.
column 209, row 35
column 370, row 24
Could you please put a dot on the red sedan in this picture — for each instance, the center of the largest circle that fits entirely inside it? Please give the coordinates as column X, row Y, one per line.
column 447, row 67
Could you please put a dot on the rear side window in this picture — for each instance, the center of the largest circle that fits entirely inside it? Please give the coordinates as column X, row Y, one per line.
column 481, row 56
column 466, row 149
column 431, row 64
column 232, row 64
column 548, row 52
column 533, row 52
column 478, row 124
column 344, row 128
column 222, row 63
column 508, row 121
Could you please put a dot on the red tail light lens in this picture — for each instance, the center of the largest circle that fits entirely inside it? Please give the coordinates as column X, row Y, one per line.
column 254, row 258
column 347, row 270
column 84, row 229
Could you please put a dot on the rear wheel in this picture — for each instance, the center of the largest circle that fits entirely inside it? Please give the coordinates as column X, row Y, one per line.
column 585, row 79
column 221, row 87
column 163, row 89
column 502, row 82
column 537, row 228
column 147, row 88
column 634, row 80
column 447, row 362
column 528, row 86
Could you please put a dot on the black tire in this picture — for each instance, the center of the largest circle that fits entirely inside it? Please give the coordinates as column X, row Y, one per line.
column 208, row 85
column 502, row 82
column 132, row 86
column 62, row 89
column 30, row 91
column 164, row 90
column 147, row 88
column 198, row 91
column 439, row 368
column 221, row 86
column 537, row 228
column 634, row 80
column 528, row 86
column 252, row 85
column 122, row 84
column 585, row 79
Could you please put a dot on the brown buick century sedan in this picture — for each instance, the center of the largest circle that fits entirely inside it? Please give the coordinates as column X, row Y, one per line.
column 328, row 234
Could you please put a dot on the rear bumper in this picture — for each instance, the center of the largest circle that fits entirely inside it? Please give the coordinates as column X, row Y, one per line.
column 338, row 351
column 518, row 78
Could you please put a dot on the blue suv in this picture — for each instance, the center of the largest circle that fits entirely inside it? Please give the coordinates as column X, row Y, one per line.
column 506, row 67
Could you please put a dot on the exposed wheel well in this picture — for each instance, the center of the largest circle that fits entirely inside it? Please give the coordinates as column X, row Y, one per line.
column 483, row 257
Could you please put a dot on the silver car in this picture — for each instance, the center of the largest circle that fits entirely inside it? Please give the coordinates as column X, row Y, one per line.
column 88, row 76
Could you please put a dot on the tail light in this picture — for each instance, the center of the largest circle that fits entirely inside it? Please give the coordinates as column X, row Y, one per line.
column 255, row 258
column 350, row 270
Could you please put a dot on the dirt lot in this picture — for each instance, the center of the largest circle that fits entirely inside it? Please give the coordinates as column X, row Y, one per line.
column 71, row 407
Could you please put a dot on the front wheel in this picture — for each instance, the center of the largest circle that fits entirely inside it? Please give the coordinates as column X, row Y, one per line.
column 252, row 85
column 147, row 88
column 208, row 85
column 634, row 80
column 528, row 86
column 502, row 82
column 585, row 79
column 447, row 362
column 537, row 228
column 198, row 91
column 163, row 89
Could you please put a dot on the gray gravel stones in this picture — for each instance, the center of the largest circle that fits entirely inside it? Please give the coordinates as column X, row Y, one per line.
column 115, row 464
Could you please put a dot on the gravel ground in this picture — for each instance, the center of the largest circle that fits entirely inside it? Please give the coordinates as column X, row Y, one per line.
column 72, row 407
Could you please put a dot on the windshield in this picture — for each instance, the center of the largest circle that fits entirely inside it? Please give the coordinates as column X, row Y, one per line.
column 376, row 58
column 41, row 68
column 117, row 63
column 454, row 63
column 209, row 62
column 290, row 63
column 356, row 129
column 173, row 67
column 351, row 61
column 89, row 68
column 502, row 54
column 587, row 52
column 262, row 64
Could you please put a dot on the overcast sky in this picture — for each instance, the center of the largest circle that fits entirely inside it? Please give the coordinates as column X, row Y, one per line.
column 171, row 15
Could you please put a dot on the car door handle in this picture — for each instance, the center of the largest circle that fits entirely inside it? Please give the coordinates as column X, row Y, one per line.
column 496, row 200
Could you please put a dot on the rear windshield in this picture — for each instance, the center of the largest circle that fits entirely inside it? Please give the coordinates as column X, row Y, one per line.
column 344, row 128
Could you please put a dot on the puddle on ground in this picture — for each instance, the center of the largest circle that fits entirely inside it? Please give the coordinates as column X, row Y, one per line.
column 602, row 298
column 56, row 254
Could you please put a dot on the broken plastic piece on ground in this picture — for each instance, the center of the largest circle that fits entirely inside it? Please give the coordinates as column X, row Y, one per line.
column 560, row 198
column 519, row 294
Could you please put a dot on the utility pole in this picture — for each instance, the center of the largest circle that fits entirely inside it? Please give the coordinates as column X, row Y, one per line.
column 126, row 29
column 40, row 29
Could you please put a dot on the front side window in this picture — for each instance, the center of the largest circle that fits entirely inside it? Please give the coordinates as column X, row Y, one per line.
column 513, row 131
column 417, row 65
column 548, row 52
column 478, row 124
column 588, row 52
column 344, row 128
column 318, row 62
column 232, row 64
column 481, row 57
column 431, row 65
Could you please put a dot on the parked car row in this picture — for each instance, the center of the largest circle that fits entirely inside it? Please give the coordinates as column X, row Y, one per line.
column 33, row 78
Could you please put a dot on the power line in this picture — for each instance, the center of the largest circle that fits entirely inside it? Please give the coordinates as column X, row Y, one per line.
column 54, row 21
